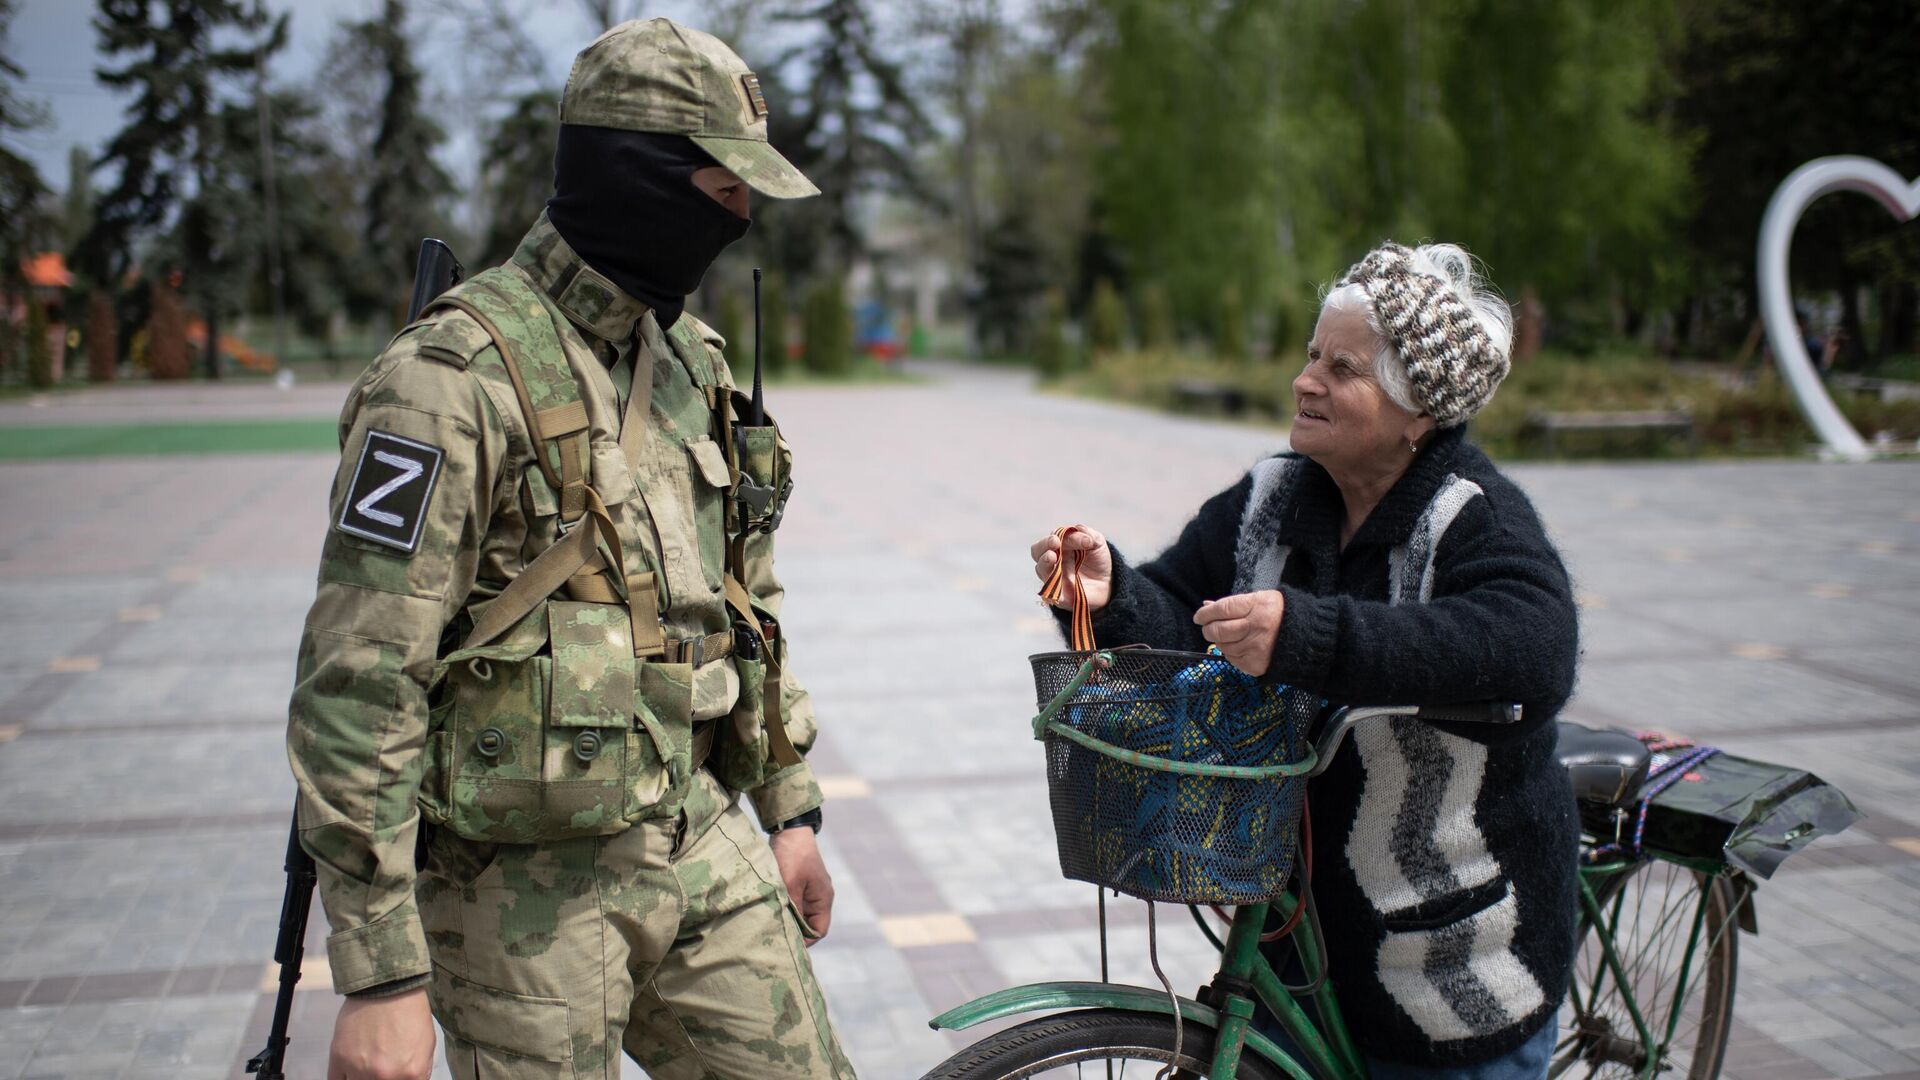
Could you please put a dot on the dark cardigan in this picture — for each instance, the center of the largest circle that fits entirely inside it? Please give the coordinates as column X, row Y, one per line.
column 1449, row 903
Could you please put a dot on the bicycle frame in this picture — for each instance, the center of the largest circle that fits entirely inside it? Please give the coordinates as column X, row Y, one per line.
column 1329, row 1056
column 1603, row 916
column 1326, row 1051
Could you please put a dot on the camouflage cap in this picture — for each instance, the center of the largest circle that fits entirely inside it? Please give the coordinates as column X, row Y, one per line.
column 655, row 75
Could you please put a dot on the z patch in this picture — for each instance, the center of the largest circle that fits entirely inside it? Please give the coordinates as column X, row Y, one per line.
column 387, row 501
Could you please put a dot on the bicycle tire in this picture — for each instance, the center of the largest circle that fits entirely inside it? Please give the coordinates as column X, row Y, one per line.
column 1076, row 1044
column 1650, row 911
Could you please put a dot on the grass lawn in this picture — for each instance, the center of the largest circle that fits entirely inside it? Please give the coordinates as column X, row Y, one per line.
column 140, row 440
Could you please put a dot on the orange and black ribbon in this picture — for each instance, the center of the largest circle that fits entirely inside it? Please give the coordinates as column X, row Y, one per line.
column 1065, row 581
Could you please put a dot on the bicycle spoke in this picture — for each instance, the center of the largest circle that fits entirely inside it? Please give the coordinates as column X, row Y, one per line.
column 1653, row 914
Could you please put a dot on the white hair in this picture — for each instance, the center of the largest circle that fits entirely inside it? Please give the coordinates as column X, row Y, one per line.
column 1453, row 266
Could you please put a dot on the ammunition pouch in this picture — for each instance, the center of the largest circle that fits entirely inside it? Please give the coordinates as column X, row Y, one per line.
column 554, row 731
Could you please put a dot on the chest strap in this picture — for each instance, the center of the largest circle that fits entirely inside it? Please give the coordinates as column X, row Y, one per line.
column 561, row 440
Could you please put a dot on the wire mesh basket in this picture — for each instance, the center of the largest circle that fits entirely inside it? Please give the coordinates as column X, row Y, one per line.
column 1172, row 775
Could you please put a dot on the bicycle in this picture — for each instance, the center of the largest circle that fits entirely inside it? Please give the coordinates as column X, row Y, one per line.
column 1652, row 988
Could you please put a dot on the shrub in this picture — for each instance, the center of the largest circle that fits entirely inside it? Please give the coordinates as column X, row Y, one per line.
column 1156, row 318
column 773, row 324
column 1286, row 339
column 1230, row 339
column 729, row 324
column 1106, row 320
column 829, row 330
column 1050, row 336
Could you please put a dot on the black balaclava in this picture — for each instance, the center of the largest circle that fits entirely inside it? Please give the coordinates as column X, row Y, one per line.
column 625, row 202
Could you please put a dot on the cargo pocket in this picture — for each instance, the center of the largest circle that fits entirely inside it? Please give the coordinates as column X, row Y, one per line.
column 535, row 738
column 500, row 1033
column 493, row 731
column 663, row 713
column 740, row 746
column 589, row 713
column 707, row 487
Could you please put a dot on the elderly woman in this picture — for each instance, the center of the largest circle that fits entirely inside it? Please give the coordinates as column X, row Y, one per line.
column 1386, row 561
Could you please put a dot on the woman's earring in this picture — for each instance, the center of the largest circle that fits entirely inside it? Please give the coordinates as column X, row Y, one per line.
column 1413, row 447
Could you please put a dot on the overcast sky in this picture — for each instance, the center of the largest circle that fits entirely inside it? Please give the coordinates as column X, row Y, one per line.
column 54, row 43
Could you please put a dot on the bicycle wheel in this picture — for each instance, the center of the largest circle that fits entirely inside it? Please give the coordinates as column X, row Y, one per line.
column 1649, row 912
column 1086, row 1045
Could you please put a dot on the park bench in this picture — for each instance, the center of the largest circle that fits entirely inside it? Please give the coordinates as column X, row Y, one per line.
column 1884, row 389
column 1205, row 395
column 1674, row 421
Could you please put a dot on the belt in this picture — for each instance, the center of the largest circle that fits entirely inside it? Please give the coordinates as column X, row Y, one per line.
column 703, row 742
column 697, row 651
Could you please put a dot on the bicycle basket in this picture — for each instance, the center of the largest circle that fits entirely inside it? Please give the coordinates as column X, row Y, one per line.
column 1172, row 775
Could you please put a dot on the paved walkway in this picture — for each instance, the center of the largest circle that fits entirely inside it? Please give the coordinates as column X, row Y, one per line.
column 149, row 611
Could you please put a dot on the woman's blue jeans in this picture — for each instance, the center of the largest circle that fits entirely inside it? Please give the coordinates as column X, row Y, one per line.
column 1528, row 1061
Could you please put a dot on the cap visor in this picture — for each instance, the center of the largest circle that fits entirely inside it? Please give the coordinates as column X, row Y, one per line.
column 760, row 165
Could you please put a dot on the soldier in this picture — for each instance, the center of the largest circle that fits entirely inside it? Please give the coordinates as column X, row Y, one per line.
column 545, row 649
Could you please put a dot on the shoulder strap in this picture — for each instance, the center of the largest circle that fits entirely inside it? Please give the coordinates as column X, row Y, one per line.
column 521, row 325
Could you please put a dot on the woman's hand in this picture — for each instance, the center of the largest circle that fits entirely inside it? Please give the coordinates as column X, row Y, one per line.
column 1096, row 565
column 1245, row 627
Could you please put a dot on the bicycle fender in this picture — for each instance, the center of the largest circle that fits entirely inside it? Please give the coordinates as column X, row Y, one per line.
column 1051, row 996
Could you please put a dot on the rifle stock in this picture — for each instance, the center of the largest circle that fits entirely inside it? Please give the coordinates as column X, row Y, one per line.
column 435, row 271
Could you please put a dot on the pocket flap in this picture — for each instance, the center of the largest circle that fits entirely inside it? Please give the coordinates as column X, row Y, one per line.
column 606, row 469
column 526, row 1027
column 593, row 665
column 520, row 641
column 611, row 476
column 711, row 461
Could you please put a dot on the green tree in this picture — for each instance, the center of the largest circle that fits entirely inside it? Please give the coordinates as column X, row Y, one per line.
column 1767, row 85
column 1191, row 168
column 1012, row 277
column 846, row 119
column 76, row 215
column 176, row 58
column 323, row 263
column 517, row 171
column 406, row 188
column 21, row 188
column 1571, row 183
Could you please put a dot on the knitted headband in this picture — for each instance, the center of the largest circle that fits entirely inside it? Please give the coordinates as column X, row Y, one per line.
column 1451, row 362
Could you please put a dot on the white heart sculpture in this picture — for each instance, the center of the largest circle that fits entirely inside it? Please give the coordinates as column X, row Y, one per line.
column 1900, row 196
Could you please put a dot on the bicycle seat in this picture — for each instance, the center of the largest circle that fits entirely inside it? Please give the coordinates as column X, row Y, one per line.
column 1607, row 765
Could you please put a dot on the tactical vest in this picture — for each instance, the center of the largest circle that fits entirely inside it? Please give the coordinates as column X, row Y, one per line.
column 565, row 710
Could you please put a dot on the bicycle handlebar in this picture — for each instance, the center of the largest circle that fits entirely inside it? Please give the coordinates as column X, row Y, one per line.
column 1346, row 717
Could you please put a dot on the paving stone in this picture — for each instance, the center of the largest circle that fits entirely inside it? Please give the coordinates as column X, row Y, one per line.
column 911, row 608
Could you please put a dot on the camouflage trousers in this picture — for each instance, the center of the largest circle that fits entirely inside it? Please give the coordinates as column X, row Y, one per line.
column 674, row 940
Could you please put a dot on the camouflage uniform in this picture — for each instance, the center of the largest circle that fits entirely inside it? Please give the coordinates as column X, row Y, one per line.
column 587, row 885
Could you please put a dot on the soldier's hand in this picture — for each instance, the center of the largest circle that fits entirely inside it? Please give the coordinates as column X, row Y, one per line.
column 1245, row 627
column 388, row 1038
column 1096, row 564
column 808, row 883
